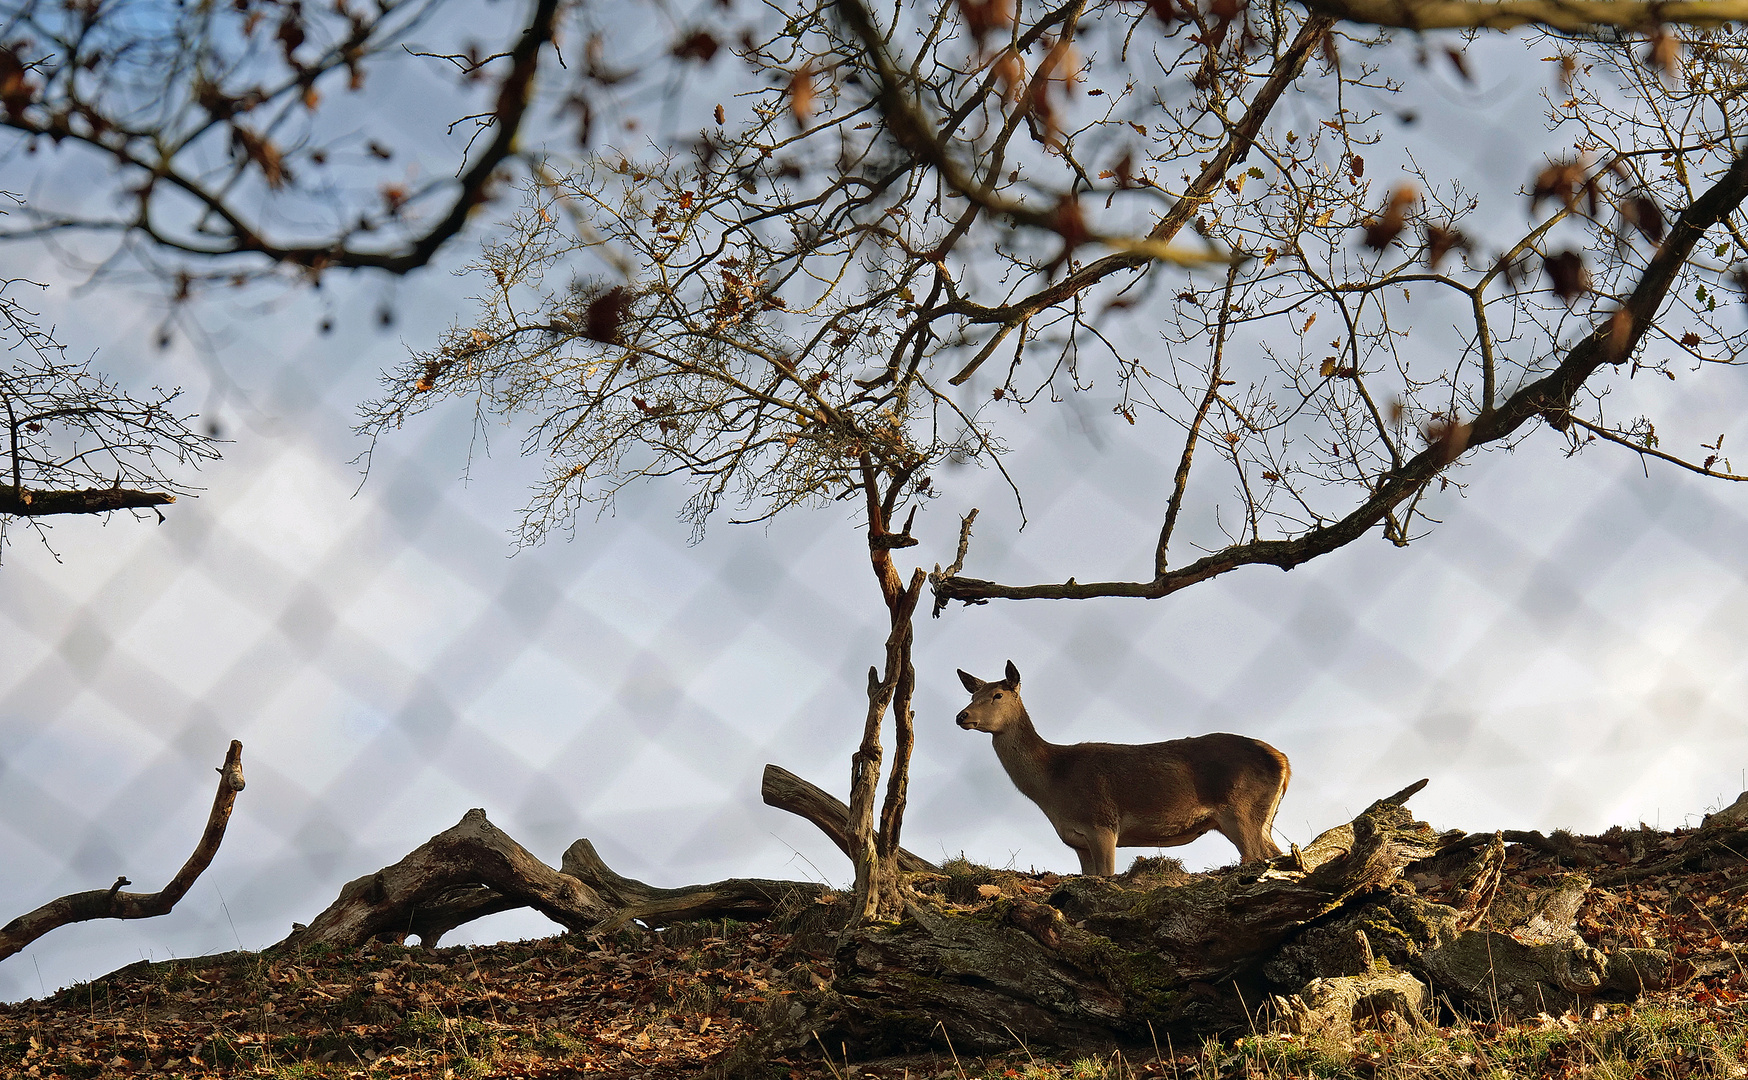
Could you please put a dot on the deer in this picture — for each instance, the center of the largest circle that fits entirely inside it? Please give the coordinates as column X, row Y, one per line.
column 1102, row 796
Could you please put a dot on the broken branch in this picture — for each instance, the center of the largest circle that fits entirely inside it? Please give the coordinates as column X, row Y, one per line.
column 112, row 903
column 786, row 791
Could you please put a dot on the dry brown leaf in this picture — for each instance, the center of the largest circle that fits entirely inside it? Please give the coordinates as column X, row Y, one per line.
column 802, row 95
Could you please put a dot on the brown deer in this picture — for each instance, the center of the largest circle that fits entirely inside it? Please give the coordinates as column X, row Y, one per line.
column 1102, row 796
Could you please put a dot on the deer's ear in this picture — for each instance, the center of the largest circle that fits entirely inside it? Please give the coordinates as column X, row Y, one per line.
column 972, row 682
column 1013, row 679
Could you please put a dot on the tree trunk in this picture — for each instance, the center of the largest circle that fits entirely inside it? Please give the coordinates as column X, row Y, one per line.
column 879, row 889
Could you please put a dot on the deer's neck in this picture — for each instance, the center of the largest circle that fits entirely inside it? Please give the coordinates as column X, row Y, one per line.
column 1025, row 755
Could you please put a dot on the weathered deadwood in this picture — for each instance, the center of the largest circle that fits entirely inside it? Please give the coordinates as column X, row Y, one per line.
column 1338, row 1006
column 1102, row 961
column 1513, row 952
column 112, row 903
column 786, row 791
column 475, row 869
column 474, row 852
column 1216, row 926
column 1535, row 962
column 434, row 918
column 1734, row 814
column 746, row 899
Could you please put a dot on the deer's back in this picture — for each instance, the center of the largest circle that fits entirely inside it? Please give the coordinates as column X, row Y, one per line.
column 1203, row 771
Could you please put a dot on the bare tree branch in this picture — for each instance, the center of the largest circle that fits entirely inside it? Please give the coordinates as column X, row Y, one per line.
column 39, row 502
column 112, row 903
column 71, row 441
column 84, row 82
column 786, row 791
column 1640, row 448
column 1571, row 16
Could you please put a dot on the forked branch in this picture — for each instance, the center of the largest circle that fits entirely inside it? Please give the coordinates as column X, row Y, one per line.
column 112, row 903
column 786, row 791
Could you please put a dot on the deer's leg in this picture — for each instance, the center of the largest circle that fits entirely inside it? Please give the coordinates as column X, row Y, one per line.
column 1101, row 856
column 1246, row 828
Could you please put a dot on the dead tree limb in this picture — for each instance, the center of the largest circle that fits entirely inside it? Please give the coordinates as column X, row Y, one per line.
column 112, row 903
column 734, row 898
column 786, row 791
column 432, row 919
column 38, row 502
column 476, row 869
column 473, row 852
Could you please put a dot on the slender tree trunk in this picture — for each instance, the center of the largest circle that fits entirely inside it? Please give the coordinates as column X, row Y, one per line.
column 864, row 781
column 891, row 898
column 878, row 893
column 903, row 737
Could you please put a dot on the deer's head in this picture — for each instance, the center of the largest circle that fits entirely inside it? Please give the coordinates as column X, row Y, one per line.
column 994, row 705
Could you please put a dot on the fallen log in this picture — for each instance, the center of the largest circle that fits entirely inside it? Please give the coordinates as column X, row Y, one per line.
column 113, row 903
column 1323, row 934
column 475, row 869
column 473, row 852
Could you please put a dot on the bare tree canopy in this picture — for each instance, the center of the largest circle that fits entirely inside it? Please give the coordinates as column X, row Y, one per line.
column 76, row 443
column 1171, row 201
column 213, row 123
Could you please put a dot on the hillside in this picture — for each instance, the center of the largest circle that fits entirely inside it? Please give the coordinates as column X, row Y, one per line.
column 678, row 1003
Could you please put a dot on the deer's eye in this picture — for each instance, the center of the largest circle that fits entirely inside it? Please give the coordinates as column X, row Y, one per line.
column 996, row 697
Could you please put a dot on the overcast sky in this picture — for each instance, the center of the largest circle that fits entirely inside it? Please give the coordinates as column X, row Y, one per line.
column 1564, row 652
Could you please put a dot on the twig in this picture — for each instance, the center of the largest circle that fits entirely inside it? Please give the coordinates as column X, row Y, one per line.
column 939, row 575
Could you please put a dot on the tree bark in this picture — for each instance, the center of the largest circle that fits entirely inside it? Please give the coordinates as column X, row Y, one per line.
column 735, row 898
column 879, row 886
column 112, row 903
column 1103, row 961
